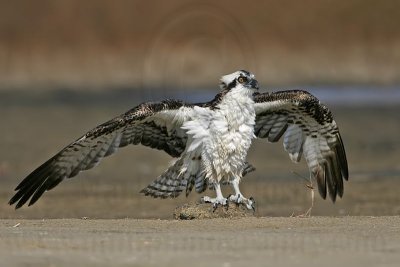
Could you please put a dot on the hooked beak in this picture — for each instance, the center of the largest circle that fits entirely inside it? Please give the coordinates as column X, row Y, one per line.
column 254, row 84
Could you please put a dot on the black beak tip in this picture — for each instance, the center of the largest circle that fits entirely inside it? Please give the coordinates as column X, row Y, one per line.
column 254, row 84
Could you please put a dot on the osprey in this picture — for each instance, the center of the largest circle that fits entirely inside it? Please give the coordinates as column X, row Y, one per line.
column 209, row 141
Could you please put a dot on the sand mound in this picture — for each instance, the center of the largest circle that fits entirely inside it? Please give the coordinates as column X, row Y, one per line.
column 191, row 211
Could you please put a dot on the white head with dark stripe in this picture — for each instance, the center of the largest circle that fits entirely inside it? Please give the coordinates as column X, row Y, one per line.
column 241, row 79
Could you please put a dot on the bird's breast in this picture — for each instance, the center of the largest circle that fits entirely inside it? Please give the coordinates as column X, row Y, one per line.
column 233, row 128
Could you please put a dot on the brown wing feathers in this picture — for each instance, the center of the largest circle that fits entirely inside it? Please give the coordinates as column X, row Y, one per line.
column 87, row 151
column 312, row 132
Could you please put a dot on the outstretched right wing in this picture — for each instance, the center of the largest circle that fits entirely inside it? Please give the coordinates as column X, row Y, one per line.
column 308, row 129
column 156, row 125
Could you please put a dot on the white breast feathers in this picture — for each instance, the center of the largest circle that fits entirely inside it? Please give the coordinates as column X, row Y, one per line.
column 221, row 137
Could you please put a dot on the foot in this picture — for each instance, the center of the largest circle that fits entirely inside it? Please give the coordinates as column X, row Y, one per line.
column 215, row 201
column 239, row 199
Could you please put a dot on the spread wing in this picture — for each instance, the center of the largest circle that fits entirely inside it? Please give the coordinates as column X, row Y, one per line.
column 308, row 129
column 156, row 125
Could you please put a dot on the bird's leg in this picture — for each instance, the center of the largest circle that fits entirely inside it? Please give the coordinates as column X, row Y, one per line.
column 238, row 196
column 311, row 187
column 308, row 212
column 219, row 200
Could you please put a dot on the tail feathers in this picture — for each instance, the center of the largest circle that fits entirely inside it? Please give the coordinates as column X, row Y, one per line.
column 198, row 181
column 169, row 184
column 173, row 181
column 247, row 169
column 164, row 188
column 177, row 178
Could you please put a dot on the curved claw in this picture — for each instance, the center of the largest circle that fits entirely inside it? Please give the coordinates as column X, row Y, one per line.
column 240, row 200
column 253, row 204
column 215, row 202
column 215, row 206
column 226, row 206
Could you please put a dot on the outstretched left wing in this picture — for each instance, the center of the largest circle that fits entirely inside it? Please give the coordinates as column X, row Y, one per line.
column 154, row 124
column 308, row 129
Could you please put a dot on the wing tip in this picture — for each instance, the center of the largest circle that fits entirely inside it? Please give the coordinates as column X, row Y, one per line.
column 19, row 204
column 11, row 202
column 16, row 198
column 333, row 197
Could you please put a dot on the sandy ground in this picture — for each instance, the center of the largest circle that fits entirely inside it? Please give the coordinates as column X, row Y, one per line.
column 316, row 241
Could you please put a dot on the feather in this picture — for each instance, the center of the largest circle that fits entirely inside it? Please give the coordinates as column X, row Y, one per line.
column 310, row 132
column 143, row 124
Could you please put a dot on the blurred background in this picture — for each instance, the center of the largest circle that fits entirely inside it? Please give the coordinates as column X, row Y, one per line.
column 67, row 66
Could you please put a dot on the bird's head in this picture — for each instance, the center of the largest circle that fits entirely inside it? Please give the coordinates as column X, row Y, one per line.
column 241, row 78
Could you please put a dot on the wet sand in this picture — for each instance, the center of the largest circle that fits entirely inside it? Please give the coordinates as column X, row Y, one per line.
column 316, row 241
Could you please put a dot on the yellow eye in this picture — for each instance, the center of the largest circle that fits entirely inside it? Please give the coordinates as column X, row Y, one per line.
column 242, row 79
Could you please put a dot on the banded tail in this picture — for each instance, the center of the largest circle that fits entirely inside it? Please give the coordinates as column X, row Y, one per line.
column 178, row 177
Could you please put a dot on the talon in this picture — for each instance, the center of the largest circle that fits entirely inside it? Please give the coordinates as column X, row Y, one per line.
column 215, row 206
column 253, row 202
column 214, row 201
column 227, row 206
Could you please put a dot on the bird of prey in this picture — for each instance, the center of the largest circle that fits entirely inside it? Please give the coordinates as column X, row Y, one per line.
column 210, row 142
